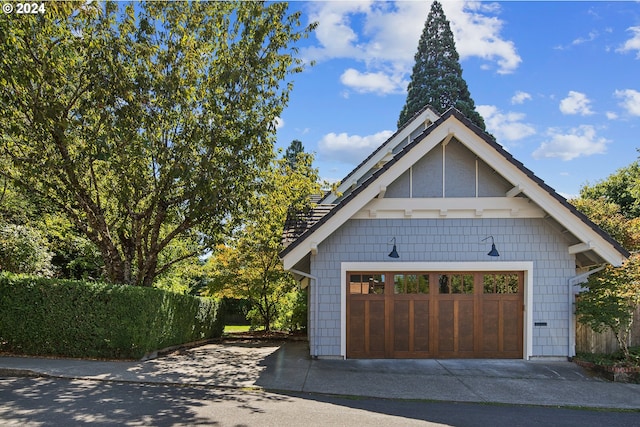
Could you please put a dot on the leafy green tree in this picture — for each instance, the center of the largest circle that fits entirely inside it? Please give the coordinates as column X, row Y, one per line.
column 621, row 188
column 249, row 266
column 73, row 255
column 145, row 123
column 69, row 254
column 614, row 204
column 608, row 216
column 23, row 249
column 15, row 206
column 613, row 295
column 292, row 311
column 610, row 300
column 437, row 75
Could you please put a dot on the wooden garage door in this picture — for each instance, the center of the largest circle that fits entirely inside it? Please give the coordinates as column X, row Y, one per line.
column 435, row 314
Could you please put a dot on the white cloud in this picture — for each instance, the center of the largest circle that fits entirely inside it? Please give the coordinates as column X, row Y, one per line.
column 631, row 100
column 576, row 103
column 520, row 97
column 477, row 33
column 505, row 126
column 633, row 43
column 580, row 40
column 351, row 148
column 278, row 123
column 334, row 31
column 611, row 115
column 379, row 82
column 384, row 35
column 581, row 141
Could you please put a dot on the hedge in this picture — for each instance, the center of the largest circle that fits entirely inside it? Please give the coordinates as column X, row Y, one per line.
column 41, row 316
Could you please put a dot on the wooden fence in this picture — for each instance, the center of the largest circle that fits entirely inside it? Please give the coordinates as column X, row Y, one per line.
column 588, row 341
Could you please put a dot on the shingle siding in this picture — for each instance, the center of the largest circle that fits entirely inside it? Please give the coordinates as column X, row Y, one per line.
column 460, row 171
column 460, row 174
column 450, row 240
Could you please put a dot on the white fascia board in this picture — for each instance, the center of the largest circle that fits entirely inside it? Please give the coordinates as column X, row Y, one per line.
column 447, row 266
column 425, row 116
column 460, row 207
column 366, row 195
column 537, row 194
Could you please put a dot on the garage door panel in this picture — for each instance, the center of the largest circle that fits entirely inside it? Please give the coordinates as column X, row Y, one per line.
column 410, row 328
column 366, row 328
column 512, row 325
column 376, row 328
column 465, row 330
column 455, row 329
column 356, row 332
column 490, row 325
column 401, row 327
column 445, row 328
column 421, row 326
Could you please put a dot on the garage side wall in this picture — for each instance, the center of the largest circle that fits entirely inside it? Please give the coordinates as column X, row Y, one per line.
column 449, row 240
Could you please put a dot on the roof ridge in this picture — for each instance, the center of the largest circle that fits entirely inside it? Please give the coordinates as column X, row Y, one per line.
column 400, row 129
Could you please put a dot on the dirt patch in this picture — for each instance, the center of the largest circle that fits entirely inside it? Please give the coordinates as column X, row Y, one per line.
column 266, row 336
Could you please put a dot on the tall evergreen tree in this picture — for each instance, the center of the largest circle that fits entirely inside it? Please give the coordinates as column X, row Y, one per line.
column 437, row 74
column 293, row 150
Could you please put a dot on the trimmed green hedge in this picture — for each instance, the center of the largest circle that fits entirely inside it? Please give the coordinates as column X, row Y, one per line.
column 41, row 316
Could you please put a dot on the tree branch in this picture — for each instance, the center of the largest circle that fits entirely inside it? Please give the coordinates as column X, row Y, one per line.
column 168, row 265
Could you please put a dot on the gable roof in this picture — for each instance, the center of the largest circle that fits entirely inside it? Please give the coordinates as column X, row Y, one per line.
column 454, row 123
column 297, row 223
column 384, row 152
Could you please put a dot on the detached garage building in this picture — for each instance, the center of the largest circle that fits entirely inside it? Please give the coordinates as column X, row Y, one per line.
column 442, row 245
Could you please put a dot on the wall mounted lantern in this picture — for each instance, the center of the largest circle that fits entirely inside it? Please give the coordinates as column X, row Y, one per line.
column 493, row 251
column 394, row 251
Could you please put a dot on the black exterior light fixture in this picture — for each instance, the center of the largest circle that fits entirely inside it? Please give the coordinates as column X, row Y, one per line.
column 394, row 251
column 493, row 251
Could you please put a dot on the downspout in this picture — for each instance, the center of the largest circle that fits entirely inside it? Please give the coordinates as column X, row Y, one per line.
column 314, row 346
column 572, row 282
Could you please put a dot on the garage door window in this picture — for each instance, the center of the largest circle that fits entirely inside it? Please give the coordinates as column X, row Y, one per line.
column 500, row 283
column 455, row 283
column 411, row 283
column 366, row 284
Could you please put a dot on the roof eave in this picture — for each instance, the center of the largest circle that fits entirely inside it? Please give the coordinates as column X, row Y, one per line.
column 610, row 250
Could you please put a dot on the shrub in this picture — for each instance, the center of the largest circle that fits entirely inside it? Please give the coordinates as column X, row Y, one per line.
column 292, row 313
column 23, row 249
column 41, row 316
column 611, row 297
column 617, row 358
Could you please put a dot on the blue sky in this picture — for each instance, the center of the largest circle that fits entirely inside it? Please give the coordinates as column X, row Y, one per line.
column 558, row 83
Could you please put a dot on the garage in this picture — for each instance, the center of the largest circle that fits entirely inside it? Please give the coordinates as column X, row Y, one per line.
column 440, row 244
column 395, row 314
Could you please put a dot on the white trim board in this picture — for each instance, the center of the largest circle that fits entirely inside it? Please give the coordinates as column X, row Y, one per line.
column 461, row 207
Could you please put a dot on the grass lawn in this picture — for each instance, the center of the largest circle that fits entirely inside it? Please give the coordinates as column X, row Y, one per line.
column 244, row 331
column 230, row 329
